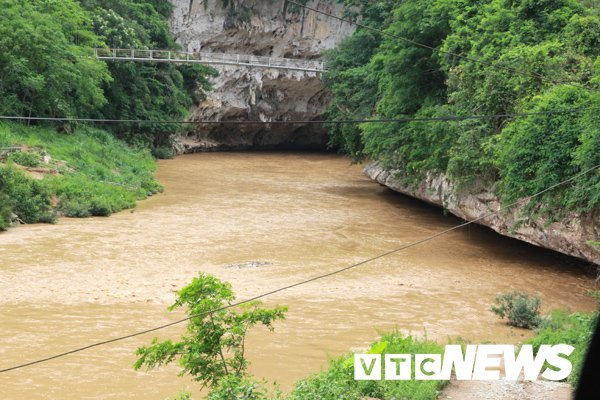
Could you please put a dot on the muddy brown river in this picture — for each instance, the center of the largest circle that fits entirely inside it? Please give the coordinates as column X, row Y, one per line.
column 83, row 280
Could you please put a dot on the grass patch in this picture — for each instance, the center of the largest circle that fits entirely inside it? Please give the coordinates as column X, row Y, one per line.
column 337, row 382
column 574, row 329
column 25, row 158
column 97, row 173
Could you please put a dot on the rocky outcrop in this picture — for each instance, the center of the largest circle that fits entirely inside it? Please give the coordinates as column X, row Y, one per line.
column 569, row 236
column 262, row 28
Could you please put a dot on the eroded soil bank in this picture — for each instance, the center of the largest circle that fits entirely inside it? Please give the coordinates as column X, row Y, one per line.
column 83, row 280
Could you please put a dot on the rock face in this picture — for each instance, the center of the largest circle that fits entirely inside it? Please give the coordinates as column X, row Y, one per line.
column 569, row 236
column 262, row 28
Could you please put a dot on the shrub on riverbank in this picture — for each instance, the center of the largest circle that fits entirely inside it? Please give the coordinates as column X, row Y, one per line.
column 89, row 172
column 337, row 382
column 520, row 309
column 22, row 195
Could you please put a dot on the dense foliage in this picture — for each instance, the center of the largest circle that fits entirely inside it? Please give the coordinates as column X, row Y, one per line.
column 47, row 68
column 23, row 196
column 490, row 57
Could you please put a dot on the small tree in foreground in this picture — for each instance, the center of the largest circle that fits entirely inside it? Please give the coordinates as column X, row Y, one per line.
column 520, row 309
column 213, row 346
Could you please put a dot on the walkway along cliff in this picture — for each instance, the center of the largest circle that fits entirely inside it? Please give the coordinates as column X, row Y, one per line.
column 260, row 28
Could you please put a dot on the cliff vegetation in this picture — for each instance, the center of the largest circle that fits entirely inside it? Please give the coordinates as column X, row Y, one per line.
column 491, row 57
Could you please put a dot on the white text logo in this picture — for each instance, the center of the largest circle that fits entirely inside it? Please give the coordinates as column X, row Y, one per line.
column 479, row 362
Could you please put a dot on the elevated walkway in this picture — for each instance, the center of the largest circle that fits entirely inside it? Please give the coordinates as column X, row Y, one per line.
column 208, row 58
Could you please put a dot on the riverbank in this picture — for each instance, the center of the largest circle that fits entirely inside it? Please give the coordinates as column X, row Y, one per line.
column 87, row 172
column 572, row 235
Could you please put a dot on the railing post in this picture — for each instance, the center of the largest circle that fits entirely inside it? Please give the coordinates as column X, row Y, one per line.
column 132, row 53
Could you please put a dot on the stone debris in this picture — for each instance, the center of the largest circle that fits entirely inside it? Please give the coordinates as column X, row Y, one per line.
column 249, row 264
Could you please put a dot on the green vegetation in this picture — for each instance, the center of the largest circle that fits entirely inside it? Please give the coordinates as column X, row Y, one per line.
column 47, row 69
column 89, row 172
column 212, row 350
column 554, row 45
column 520, row 309
column 22, row 195
column 337, row 382
column 574, row 329
column 25, row 158
column 559, row 327
column 212, row 353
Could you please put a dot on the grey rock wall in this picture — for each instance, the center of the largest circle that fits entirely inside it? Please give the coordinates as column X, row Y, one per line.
column 263, row 28
column 569, row 236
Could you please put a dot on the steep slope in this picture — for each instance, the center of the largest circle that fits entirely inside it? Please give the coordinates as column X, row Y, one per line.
column 262, row 28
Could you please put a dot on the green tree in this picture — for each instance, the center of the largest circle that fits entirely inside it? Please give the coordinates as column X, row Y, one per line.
column 45, row 68
column 214, row 345
column 145, row 91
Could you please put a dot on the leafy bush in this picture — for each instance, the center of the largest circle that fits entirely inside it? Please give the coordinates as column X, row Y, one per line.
column 337, row 382
column 520, row 309
column 574, row 329
column 31, row 199
column 6, row 211
column 25, row 158
column 539, row 151
column 162, row 152
column 81, row 197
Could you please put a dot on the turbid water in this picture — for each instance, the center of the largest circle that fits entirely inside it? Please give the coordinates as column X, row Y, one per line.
column 83, row 280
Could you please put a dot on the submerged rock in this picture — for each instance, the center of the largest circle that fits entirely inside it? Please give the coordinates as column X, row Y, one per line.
column 249, row 264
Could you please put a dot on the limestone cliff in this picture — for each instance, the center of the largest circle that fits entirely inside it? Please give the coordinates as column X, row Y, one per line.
column 569, row 236
column 262, row 28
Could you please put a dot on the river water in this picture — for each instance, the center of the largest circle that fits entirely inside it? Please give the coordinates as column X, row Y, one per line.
column 84, row 280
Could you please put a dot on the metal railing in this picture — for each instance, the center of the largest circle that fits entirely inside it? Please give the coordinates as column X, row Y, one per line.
column 208, row 58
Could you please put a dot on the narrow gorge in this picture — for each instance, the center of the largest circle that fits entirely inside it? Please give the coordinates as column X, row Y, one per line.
column 276, row 29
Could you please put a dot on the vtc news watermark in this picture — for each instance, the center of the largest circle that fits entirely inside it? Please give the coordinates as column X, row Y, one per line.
column 478, row 362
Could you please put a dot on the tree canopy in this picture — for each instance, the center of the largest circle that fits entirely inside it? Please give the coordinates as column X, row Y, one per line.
column 490, row 57
column 47, row 67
